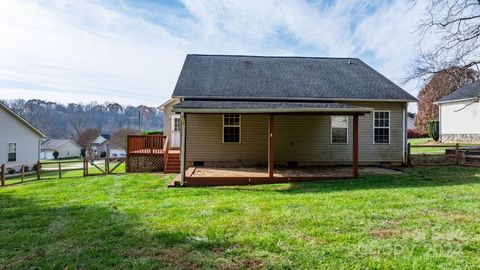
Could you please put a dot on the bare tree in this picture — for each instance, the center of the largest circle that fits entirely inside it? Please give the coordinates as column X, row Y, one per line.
column 86, row 137
column 456, row 24
column 119, row 137
column 78, row 122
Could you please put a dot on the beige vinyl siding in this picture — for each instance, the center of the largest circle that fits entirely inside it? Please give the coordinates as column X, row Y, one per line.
column 13, row 130
column 301, row 138
column 167, row 117
column 204, row 139
column 69, row 149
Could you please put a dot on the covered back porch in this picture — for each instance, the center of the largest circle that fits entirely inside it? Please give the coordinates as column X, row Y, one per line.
column 195, row 173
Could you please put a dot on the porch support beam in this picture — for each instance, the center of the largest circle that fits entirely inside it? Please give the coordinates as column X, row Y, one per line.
column 270, row 145
column 355, row 146
column 183, row 135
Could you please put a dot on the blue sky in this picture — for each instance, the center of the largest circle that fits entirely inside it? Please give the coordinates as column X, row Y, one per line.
column 132, row 51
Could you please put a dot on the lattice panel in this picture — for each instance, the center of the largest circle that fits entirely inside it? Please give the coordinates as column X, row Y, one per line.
column 145, row 163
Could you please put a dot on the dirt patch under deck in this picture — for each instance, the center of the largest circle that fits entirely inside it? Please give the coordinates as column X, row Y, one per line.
column 287, row 172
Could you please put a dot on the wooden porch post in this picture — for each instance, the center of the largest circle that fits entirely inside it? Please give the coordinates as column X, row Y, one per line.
column 182, row 148
column 355, row 146
column 270, row 145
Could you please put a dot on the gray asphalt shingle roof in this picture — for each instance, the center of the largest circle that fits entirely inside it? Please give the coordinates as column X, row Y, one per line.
column 264, row 106
column 471, row 90
column 262, row 77
column 53, row 144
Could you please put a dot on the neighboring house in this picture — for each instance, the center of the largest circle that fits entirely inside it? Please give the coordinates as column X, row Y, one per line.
column 116, row 151
column 66, row 148
column 100, row 145
column 411, row 121
column 19, row 140
column 285, row 111
column 171, row 123
column 459, row 115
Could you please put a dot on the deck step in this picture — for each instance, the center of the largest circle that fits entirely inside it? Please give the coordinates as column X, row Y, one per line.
column 173, row 163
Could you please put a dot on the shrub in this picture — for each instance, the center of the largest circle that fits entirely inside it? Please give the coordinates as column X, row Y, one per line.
column 11, row 171
column 151, row 132
column 412, row 134
column 433, row 130
column 55, row 154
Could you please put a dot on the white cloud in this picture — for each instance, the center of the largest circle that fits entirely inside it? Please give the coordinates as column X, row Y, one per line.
column 115, row 51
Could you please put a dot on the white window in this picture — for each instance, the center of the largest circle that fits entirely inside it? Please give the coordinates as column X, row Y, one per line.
column 12, row 152
column 231, row 128
column 339, row 129
column 176, row 124
column 381, row 127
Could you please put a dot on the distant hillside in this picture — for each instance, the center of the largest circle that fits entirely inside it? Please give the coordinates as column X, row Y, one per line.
column 60, row 121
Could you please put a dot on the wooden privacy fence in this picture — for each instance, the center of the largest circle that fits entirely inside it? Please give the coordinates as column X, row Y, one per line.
column 57, row 168
column 443, row 154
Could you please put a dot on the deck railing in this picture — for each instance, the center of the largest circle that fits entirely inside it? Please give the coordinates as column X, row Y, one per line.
column 145, row 144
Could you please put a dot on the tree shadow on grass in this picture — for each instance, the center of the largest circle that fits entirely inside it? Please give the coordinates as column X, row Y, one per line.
column 35, row 235
column 411, row 178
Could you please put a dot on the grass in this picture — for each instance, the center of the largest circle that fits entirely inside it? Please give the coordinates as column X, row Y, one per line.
column 430, row 150
column 46, row 161
column 426, row 218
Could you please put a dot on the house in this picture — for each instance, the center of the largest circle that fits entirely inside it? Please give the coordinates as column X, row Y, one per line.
column 411, row 121
column 99, row 146
column 19, row 140
column 66, row 149
column 283, row 112
column 116, row 151
column 459, row 115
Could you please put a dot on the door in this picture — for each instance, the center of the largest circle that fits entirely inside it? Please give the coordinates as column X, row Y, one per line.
column 175, row 136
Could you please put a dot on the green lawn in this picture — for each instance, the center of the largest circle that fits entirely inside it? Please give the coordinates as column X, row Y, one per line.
column 46, row 161
column 427, row 218
column 430, row 150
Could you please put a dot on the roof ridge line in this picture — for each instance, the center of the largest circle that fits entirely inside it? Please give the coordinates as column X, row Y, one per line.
column 273, row 56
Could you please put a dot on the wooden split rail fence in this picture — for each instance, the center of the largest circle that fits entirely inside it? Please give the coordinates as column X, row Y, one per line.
column 443, row 154
column 106, row 166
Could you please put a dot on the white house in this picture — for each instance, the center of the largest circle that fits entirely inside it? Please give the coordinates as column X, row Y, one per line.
column 459, row 115
column 116, row 151
column 66, row 149
column 100, row 144
column 19, row 140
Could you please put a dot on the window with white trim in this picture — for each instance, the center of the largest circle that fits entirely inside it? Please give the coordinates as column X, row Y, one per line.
column 12, row 152
column 231, row 128
column 381, row 127
column 339, row 129
column 176, row 124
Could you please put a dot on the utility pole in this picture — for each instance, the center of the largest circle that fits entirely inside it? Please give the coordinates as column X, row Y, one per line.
column 139, row 125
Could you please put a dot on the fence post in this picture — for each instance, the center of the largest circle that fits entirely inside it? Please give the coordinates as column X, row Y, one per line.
column 85, row 165
column 457, row 154
column 107, row 166
column 39, row 167
column 2, row 175
column 59, row 170
column 409, row 161
column 22, row 171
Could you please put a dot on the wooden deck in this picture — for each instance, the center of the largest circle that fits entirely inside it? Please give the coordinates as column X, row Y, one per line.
column 151, row 153
column 212, row 176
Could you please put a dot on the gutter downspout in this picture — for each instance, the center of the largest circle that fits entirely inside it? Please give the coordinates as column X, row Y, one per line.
column 182, row 149
column 405, row 133
column 440, row 122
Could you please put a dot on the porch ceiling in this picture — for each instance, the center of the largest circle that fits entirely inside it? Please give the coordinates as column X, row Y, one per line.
column 216, row 106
